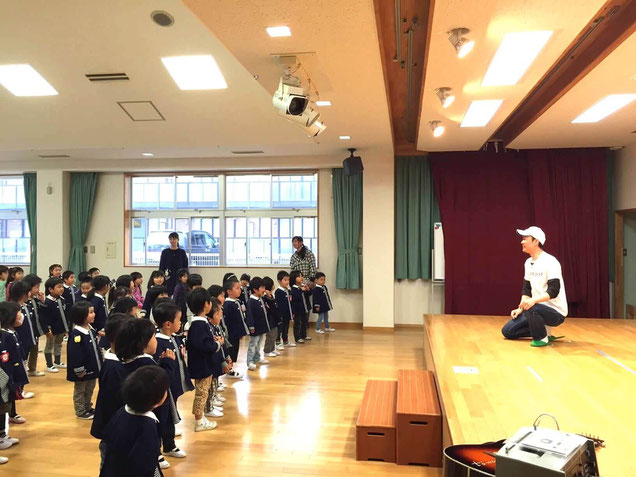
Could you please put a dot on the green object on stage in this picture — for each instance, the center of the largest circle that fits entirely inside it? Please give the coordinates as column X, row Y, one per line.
column 347, row 209
column 554, row 338
column 539, row 343
column 83, row 190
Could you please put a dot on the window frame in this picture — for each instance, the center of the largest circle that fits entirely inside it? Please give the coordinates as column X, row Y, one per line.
column 17, row 214
column 221, row 213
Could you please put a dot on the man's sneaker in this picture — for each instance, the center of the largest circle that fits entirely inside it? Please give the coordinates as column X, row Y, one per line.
column 539, row 343
column 27, row 395
column 290, row 344
column 3, row 460
column 330, row 329
column 88, row 415
column 220, row 399
column 60, row 365
column 17, row 419
column 176, row 452
column 300, row 341
column 52, row 369
column 251, row 367
column 320, row 332
column 271, row 355
column 555, row 338
column 163, row 463
column 263, row 361
column 307, row 338
column 214, row 413
column 280, row 346
column 234, row 375
column 36, row 374
column 204, row 425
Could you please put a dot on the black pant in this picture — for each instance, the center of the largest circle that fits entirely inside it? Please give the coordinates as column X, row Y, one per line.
column 298, row 323
column 283, row 330
column 532, row 322
column 166, row 426
column 303, row 325
column 234, row 349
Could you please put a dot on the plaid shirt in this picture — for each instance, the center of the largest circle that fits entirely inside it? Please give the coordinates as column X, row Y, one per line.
column 306, row 266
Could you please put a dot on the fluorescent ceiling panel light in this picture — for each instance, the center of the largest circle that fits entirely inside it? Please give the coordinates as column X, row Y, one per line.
column 24, row 80
column 606, row 106
column 480, row 112
column 345, row 138
column 195, row 72
column 278, row 31
column 514, row 56
column 147, row 154
column 323, row 103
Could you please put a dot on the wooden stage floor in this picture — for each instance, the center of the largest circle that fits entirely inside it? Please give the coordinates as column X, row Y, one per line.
column 587, row 381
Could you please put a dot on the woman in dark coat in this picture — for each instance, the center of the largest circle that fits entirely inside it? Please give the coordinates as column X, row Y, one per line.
column 172, row 259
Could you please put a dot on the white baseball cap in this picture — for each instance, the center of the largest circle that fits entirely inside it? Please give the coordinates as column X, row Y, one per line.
column 533, row 231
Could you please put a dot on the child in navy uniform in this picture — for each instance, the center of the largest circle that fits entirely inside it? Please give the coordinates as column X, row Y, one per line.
column 167, row 316
column 85, row 285
column 322, row 303
column 204, row 353
column 111, row 376
column 28, row 333
column 181, row 290
column 216, row 291
column 84, row 359
column 283, row 299
column 257, row 323
column 34, row 306
column 246, row 289
column 300, row 306
column 54, row 323
column 273, row 316
column 132, row 441
column 71, row 293
column 97, row 297
column 234, row 318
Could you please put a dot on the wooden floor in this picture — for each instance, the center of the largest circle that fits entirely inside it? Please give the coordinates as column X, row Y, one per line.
column 588, row 382
column 295, row 416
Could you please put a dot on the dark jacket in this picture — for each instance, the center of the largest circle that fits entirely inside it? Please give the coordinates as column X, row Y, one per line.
column 256, row 316
column 53, row 316
column 204, row 353
column 273, row 315
column 179, row 297
column 235, row 319
column 300, row 301
column 101, row 313
column 28, row 332
column 83, row 355
column 321, row 299
column 70, row 295
column 109, row 399
column 14, row 356
column 283, row 299
column 180, row 380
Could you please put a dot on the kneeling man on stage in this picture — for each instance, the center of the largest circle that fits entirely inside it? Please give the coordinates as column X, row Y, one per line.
column 543, row 303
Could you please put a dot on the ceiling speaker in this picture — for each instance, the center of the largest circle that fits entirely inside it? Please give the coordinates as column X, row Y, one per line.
column 353, row 164
column 162, row 18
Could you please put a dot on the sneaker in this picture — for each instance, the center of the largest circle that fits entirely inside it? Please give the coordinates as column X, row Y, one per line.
column 87, row 416
column 320, row 332
column 176, row 452
column 4, row 443
column 214, row 413
column 263, row 361
column 554, row 338
column 221, row 387
column 234, row 375
column 3, row 460
column 300, row 341
column 280, row 346
column 178, row 433
column 65, row 337
column 163, row 463
column 27, row 395
column 17, row 419
column 271, row 355
column 251, row 367
column 52, row 369
column 217, row 404
column 307, row 338
column 539, row 343
column 12, row 440
column 204, row 425
column 277, row 353
column 290, row 345
column 330, row 329
column 36, row 374
column 220, row 399
column 60, row 365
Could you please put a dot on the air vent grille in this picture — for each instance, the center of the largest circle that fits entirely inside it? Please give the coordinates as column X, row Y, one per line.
column 108, row 77
column 247, row 152
column 53, row 156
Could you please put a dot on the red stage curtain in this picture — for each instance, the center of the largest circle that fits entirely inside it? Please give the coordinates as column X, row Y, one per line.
column 484, row 196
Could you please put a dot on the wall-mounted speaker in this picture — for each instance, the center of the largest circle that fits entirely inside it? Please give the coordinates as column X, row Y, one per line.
column 353, row 164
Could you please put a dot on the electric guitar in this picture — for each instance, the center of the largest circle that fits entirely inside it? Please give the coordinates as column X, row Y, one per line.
column 468, row 460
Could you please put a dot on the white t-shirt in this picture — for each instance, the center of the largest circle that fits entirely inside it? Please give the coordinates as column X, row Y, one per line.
column 544, row 268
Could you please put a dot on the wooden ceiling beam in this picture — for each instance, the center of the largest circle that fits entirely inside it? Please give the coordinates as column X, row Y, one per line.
column 612, row 25
column 404, row 109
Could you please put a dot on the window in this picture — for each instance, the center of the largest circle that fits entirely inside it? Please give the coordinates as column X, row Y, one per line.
column 224, row 220
column 15, row 238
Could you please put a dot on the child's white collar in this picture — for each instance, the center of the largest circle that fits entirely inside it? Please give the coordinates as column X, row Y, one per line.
column 149, row 414
column 254, row 297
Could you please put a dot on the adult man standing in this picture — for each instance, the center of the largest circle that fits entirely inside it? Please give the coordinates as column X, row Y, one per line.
column 543, row 302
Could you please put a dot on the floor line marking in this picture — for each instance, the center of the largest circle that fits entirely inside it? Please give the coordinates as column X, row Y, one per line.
column 535, row 374
column 615, row 361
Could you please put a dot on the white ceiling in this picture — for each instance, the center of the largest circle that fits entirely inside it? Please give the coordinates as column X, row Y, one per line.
column 66, row 39
column 489, row 21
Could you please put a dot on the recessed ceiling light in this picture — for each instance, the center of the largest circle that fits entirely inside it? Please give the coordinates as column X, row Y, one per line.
column 323, row 103
column 278, row 31
column 480, row 112
column 195, row 72
column 606, row 106
column 462, row 45
column 445, row 96
column 24, row 80
column 437, row 128
column 345, row 138
column 513, row 57
column 147, row 154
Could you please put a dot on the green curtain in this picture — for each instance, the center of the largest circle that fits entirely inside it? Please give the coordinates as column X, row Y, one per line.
column 416, row 210
column 83, row 189
column 347, row 207
column 31, row 201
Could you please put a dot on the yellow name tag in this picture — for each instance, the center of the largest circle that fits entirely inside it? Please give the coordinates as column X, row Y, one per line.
column 78, row 339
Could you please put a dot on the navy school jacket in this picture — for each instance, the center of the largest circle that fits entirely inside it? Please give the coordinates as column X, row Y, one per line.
column 83, row 355
column 180, row 380
column 7, row 370
column 256, row 316
column 246, row 292
column 300, row 301
column 321, row 299
column 27, row 333
column 101, row 314
column 235, row 319
column 133, row 445
column 53, row 316
column 35, row 307
column 14, row 358
column 217, row 331
column 273, row 315
column 71, row 295
column 283, row 299
column 109, row 399
column 204, row 353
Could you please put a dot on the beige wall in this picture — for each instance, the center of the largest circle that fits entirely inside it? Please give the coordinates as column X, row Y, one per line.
column 414, row 298
column 625, row 177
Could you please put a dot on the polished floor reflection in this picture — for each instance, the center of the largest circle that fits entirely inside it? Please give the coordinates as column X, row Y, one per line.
column 295, row 416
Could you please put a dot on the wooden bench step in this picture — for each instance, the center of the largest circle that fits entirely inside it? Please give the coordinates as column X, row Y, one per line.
column 375, row 428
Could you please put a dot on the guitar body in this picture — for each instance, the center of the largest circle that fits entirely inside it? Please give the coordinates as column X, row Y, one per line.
column 471, row 460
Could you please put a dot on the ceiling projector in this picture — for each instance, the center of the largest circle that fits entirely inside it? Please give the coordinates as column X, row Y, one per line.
column 293, row 104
